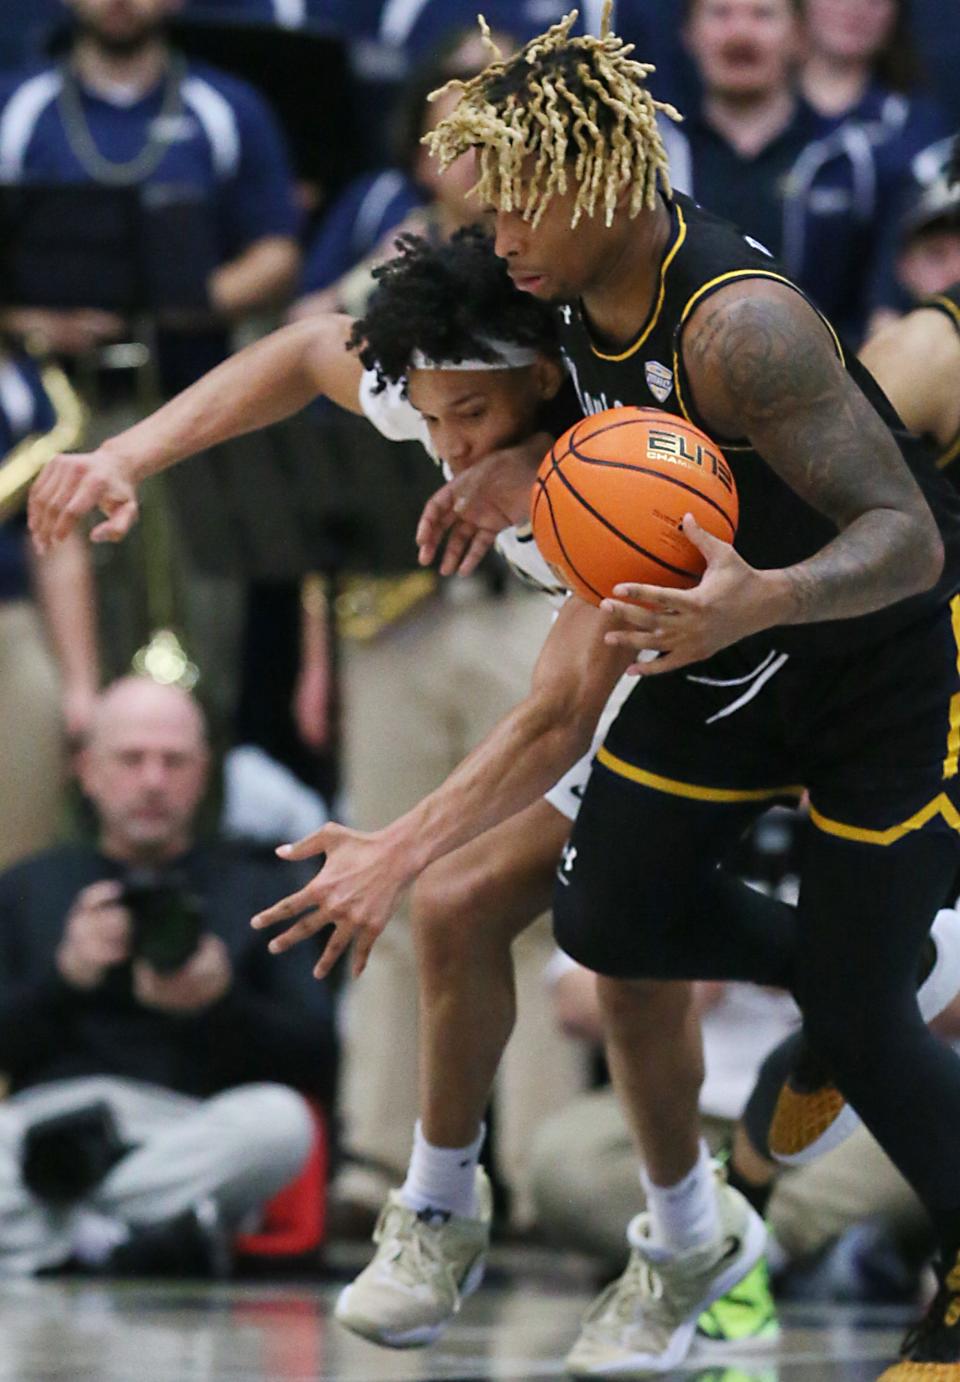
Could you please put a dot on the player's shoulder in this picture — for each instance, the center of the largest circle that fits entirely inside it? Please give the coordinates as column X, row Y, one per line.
column 757, row 312
column 709, row 253
column 386, row 406
column 704, row 233
column 752, row 349
column 926, row 341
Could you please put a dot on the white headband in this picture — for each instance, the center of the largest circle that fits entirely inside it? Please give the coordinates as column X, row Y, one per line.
column 509, row 357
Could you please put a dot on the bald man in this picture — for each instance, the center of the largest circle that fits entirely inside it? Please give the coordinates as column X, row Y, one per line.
column 152, row 1045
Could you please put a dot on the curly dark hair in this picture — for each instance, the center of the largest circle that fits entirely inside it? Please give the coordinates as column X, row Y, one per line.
column 446, row 301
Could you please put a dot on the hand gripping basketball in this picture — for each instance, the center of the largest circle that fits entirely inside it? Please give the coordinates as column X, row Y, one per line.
column 731, row 601
column 611, row 494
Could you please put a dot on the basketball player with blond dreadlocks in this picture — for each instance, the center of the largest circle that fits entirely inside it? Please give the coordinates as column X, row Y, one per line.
column 818, row 650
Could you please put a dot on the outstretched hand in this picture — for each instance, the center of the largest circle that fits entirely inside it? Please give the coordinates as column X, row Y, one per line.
column 686, row 626
column 354, row 893
column 71, row 486
column 472, row 508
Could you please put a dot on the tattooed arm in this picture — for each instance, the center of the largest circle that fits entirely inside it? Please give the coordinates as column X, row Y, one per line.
column 761, row 364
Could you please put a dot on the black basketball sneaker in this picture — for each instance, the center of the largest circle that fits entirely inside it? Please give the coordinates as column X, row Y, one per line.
column 931, row 1349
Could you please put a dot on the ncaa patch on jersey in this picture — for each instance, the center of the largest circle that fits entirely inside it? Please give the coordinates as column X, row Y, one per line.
column 659, row 380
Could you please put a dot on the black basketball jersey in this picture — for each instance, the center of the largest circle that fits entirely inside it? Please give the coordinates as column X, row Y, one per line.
column 777, row 528
column 948, row 303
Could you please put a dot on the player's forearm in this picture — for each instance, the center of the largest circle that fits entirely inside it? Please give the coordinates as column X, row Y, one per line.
column 263, row 384
column 65, row 590
column 518, row 761
column 882, row 557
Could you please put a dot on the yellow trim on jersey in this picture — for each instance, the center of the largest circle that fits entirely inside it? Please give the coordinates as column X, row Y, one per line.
column 952, row 760
column 940, row 806
column 950, row 455
column 758, row 273
column 691, row 790
column 668, row 260
column 948, row 305
column 688, row 309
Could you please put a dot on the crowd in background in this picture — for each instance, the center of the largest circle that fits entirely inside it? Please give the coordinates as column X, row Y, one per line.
column 262, row 186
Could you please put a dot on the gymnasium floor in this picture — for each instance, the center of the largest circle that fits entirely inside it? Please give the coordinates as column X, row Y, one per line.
column 516, row 1329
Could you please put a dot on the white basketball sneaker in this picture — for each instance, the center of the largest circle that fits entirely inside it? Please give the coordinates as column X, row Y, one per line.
column 422, row 1271
column 643, row 1324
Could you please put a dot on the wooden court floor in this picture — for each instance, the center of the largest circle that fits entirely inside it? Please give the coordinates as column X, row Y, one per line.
column 517, row 1327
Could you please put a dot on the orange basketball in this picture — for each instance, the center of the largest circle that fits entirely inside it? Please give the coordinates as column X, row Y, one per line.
column 611, row 493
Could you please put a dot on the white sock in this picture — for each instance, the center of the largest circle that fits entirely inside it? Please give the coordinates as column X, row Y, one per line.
column 685, row 1215
column 442, row 1179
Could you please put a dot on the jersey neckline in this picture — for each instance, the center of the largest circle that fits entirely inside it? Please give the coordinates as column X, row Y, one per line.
column 678, row 233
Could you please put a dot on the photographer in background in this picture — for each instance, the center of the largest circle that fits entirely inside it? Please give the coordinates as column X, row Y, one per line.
column 148, row 1036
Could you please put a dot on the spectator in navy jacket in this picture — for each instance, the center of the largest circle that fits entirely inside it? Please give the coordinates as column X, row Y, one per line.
column 862, row 64
column 937, row 29
column 756, row 153
column 122, row 108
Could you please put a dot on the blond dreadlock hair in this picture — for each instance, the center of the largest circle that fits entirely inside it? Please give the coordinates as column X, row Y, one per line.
column 560, row 99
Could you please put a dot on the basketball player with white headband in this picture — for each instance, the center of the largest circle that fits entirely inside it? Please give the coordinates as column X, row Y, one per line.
column 446, row 333
column 450, row 354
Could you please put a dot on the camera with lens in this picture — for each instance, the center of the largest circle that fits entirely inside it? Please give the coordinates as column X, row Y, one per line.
column 166, row 917
column 66, row 1155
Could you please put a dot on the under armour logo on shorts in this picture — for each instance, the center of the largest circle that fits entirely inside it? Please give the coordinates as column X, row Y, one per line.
column 567, row 860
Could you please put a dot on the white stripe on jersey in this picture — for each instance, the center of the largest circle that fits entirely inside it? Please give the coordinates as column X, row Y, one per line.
column 16, row 399
column 218, row 121
column 290, row 14
column 398, row 19
column 19, row 120
column 378, row 197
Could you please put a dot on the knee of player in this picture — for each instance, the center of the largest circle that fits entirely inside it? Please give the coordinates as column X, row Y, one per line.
column 446, row 901
column 433, row 896
column 665, row 1004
